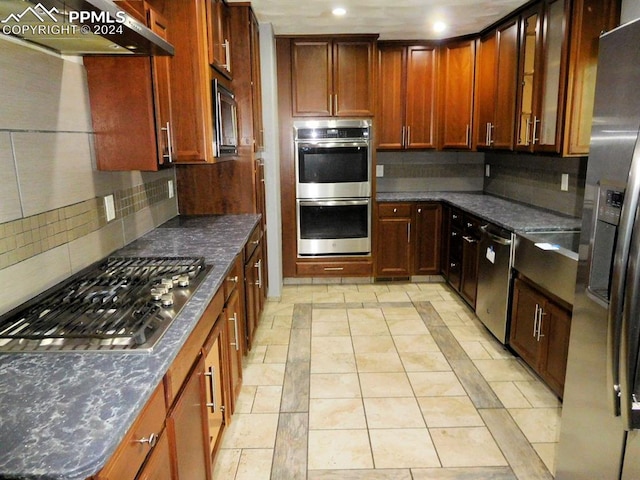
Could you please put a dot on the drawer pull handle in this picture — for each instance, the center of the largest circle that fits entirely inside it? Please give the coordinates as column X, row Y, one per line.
column 151, row 440
column 333, row 269
column 212, row 389
column 235, row 343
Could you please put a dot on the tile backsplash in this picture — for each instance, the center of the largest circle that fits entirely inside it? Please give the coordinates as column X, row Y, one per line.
column 52, row 214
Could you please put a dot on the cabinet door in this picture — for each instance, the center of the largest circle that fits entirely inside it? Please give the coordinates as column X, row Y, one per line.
column 427, row 238
column 161, row 70
column 158, row 465
column 556, row 328
column 502, row 133
column 485, row 89
column 456, row 100
column 252, row 272
column 235, row 324
column 256, row 83
column 393, row 240
column 391, row 98
column 469, row 281
column 353, row 86
column 187, row 424
column 215, row 395
column 218, row 36
column 523, row 337
column 421, row 88
column 312, row 77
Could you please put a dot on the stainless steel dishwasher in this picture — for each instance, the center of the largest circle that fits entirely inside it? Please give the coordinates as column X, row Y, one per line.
column 494, row 279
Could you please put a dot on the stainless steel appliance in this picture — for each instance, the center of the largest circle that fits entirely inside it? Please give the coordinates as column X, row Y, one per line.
column 120, row 304
column 225, row 121
column 333, row 187
column 494, row 279
column 599, row 437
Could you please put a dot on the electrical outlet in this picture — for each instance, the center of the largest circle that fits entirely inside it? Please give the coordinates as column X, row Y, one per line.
column 171, row 190
column 487, row 170
column 564, row 182
column 379, row 170
column 109, row 208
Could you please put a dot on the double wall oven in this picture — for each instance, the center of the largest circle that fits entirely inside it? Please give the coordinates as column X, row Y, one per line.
column 333, row 187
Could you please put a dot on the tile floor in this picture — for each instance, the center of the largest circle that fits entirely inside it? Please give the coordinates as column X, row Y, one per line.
column 385, row 381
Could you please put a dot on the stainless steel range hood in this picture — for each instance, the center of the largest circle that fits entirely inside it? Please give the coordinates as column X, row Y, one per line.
column 80, row 27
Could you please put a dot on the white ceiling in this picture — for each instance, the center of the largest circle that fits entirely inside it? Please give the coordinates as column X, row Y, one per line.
column 392, row 19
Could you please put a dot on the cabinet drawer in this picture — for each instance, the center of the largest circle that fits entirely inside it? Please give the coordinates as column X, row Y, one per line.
column 335, row 269
column 394, row 210
column 253, row 242
column 128, row 458
column 455, row 218
column 233, row 277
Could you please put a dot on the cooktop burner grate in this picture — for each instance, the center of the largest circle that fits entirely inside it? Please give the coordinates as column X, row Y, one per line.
column 122, row 303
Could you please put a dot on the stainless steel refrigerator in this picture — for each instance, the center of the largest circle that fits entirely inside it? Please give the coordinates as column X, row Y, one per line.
column 599, row 436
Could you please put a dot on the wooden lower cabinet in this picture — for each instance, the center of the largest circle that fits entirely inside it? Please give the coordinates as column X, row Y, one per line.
column 408, row 239
column 215, row 398
column 254, row 286
column 187, row 427
column 158, row 465
column 540, row 329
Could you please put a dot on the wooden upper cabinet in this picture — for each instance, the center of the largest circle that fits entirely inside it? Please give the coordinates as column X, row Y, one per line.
column 140, row 136
column 332, row 77
column 406, row 97
column 191, row 84
column 456, row 73
column 219, row 36
column 496, row 87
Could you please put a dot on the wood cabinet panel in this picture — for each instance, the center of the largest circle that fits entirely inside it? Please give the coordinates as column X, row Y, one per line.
column 219, row 36
column 421, row 97
column 233, row 315
column 427, row 233
column 470, row 259
column 312, row 77
column 215, row 377
column 523, row 323
column 158, row 465
column 557, row 329
column 356, row 267
column 390, row 123
column 393, row 252
column 485, row 88
column 353, row 94
column 456, row 73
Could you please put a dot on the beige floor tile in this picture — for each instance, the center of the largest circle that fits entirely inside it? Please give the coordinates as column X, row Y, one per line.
column 502, row 370
column 368, row 327
column 333, row 363
column 469, row 333
column 343, row 287
column 336, row 414
column 263, row 374
column 282, row 308
column 396, row 448
column 360, row 297
column 331, row 344
column 330, row 329
column 415, row 343
column 393, row 412
column 367, row 314
column 476, row 350
column 272, row 336
column 373, row 344
column 403, row 287
column 251, row 430
column 276, row 354
column 395, row 296
column 466, row 447
column 547, row 452
column 244, row 402
column 538, row 394
column 373, row 288
column 379, row 362
column 333, row 297
column 496, row 349
column 449, row 412
column 510, row 395
column 424, row 296
column 335, row 385
column 385, row 385
column 339, row 449
column 435, row 384
column 329, row 315
column 424, row 362
column 282, row 321
column 256, row 355
column 227, row 461
column 400, row 313
column 539, row 425
column 267, row 399
column 255, row 464
column 407, row 326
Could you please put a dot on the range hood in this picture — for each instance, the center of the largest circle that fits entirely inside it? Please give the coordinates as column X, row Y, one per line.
column 80, row 27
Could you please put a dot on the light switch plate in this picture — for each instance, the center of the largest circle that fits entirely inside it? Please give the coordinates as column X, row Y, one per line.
column 171, row 190
column 109, row 208
column 487, row 170
column 564, row 183
column 379, row 170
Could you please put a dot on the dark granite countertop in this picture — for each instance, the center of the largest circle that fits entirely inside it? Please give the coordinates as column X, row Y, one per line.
column 511, row 215
column 62, row 415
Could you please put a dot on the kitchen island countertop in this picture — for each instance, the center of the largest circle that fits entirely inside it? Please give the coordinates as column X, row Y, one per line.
column 511, row 215
column 63, row 414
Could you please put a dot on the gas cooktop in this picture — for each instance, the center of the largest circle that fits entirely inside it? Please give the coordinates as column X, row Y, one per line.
column 119, row 304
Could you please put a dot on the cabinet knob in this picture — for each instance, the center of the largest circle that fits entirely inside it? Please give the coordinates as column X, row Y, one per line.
column 152, row 439
column 233, row 279
column 395, row 210
column 419, row 210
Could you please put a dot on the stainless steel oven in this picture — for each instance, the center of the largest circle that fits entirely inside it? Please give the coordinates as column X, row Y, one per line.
column 334, row 227
column 332, row 158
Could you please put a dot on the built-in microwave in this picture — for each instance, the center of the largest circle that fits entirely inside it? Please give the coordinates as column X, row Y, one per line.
column 225, row 121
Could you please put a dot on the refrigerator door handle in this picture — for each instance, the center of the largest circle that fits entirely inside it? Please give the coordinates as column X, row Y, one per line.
column 619, row 277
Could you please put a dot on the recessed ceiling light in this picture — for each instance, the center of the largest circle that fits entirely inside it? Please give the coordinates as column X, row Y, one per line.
column 439, row 27
column 339, row 11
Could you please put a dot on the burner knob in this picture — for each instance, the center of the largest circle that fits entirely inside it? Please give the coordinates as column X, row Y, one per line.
column 166, row 300
column 183, row 281
column 157, row 292
column 167, row 282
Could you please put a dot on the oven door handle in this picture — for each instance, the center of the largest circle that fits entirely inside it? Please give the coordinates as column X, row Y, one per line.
column 332, row 203
column 328, row 145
